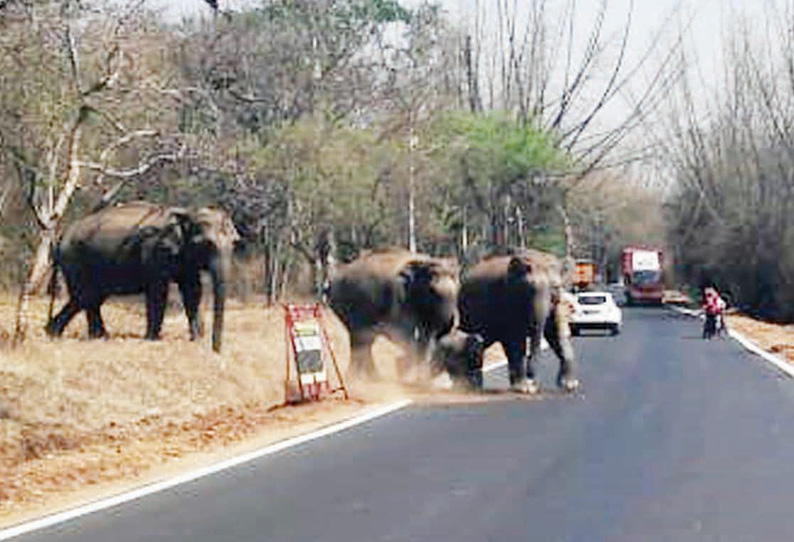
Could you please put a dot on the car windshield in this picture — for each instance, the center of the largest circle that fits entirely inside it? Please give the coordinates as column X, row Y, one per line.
column 646, row 277
column 592, row 299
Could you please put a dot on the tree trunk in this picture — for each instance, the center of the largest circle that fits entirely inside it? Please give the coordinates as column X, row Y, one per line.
column 411, row 187
column 569, row 264
column 464, row 234
column 38, row 270
column 326, row 260
column 471, row 78
column 522, row 238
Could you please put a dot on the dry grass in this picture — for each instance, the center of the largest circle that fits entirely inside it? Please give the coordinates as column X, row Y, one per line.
column 775, row 338
column 76, row 412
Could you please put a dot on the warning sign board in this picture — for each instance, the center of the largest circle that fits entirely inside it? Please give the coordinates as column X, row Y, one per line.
column 309, row 347
column 309, row 350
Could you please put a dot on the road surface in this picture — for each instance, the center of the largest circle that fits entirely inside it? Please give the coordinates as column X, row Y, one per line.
column 673, row 438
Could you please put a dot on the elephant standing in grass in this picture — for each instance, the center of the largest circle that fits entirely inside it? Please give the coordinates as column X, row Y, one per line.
column 141, row 247
column 510, row 298
column 407, row 296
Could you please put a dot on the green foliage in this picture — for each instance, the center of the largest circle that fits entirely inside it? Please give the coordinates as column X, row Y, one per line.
column 510, row 149
column 337, row 177
column 381, row 11
column 489, row 169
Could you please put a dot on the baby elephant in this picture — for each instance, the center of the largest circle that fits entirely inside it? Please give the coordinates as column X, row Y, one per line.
column 461, row 355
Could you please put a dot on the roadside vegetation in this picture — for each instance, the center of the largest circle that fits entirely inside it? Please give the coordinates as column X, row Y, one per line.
column 327, row 128
column 730, row 154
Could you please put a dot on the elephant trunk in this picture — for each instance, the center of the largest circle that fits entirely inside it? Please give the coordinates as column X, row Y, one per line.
column 219, row 271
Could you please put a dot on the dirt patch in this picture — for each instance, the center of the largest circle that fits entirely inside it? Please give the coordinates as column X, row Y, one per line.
column 775, row 338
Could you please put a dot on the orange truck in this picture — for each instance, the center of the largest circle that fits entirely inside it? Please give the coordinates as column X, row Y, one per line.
column 584, row 274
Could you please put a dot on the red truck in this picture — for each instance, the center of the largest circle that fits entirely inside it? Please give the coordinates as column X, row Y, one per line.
column 642, row 269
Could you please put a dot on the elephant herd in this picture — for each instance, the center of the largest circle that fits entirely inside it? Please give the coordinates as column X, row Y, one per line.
column 513, row 298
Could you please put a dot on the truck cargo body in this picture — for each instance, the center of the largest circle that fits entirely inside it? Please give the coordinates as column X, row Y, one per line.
column 642, row 270
column 584, row 275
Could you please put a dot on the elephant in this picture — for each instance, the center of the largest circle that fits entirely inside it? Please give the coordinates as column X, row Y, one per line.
column 461, row 355
column 511, row 297
column 408, row 296
column 140, row 247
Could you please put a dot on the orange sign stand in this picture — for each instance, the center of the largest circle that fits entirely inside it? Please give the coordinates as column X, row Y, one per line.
column 309, row 348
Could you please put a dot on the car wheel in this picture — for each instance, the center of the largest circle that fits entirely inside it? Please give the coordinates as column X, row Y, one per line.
column 574, row 331
column 615, row 329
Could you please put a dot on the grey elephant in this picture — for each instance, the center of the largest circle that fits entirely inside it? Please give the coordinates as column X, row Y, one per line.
column 514, row 297
column 140, row 247
column 460, row 354
column 404, row 295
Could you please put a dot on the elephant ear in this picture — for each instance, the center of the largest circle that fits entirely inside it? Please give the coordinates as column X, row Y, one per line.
column 518, row 268
column 474, row 342
column 161, row 235
column 178, row 217
column 180, row 227
column 416, row 270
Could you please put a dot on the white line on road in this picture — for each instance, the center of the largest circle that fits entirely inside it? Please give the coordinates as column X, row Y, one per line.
column 116, row 500
column 495, row 365
column 150, row 489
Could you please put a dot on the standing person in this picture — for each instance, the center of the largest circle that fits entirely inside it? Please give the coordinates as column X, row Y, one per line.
column 721, row 327
column 712, row 306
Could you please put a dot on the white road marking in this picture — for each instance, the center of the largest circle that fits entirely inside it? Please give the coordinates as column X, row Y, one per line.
column 157, row 487
column 495, row 365
column 781, row 364
column 116, row 500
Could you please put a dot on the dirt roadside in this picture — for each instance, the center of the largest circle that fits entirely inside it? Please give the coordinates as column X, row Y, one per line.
column 777, row 339
column 81, row 420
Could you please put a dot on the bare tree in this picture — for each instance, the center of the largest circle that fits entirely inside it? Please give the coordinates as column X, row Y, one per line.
column 575, row 90
column 80, row 88
column 732, row 164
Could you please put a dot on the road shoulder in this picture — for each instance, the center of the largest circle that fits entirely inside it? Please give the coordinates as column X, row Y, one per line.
column 749, row 343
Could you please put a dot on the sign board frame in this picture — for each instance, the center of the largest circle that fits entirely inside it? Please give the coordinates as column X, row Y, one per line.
column 308, row 347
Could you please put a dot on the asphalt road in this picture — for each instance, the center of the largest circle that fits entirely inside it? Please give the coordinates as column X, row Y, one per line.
column 673, row 438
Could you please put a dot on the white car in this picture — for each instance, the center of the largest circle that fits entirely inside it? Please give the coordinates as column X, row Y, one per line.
column 596, row 310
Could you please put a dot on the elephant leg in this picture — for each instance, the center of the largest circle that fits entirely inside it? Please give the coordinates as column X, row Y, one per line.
column 96, row 328
column 557, row 334
column 418, row 365
column 515, row 350
column 410, row 338
column 535, row 335
column 156, row 298
column 190, row 289
column 361, row 361
column 56, row 326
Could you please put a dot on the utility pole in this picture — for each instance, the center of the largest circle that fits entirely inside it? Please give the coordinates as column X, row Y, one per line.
column 412, row 141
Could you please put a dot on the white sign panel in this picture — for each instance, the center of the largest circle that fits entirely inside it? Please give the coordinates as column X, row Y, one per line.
column 309, row 349
column 645, row 260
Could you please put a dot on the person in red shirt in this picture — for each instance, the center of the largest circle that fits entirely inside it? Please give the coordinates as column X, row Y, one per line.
column 712, row 306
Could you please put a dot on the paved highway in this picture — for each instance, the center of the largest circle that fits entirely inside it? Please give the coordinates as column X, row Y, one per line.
column 673, row 438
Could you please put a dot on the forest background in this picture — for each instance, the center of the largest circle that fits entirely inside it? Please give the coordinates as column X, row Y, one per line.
column 326, row 128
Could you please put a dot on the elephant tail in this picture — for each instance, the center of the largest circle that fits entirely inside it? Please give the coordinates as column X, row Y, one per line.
column 53, row 282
